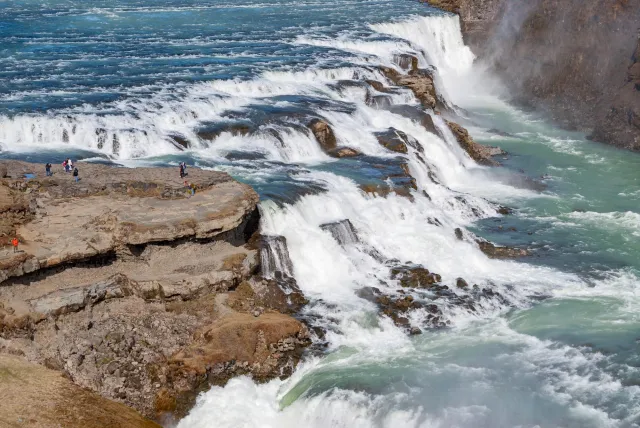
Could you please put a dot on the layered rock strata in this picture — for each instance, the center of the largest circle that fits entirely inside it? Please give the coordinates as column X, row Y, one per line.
column 128, row 284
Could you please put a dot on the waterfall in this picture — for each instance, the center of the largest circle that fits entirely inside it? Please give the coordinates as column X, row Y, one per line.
column 342, row 231
column 274, row 257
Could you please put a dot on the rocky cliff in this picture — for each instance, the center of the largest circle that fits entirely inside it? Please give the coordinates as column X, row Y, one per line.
column 575, row 59
column 137, row 290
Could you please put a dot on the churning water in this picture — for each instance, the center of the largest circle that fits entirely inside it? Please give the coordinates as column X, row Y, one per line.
column 133, row 81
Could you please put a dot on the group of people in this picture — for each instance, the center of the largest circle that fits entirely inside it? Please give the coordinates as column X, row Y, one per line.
column 68, row 167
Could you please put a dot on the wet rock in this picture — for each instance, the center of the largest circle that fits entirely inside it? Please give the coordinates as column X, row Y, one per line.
column 461, row 283
column 212, row 131
column 478, row 152
column 324, row 134
column 394, row 140
column 419, row 81
column 417, row 114
column 406, row 61
column 378, row 86
column 415, row 331
column 379, row 101
column 495, row 252
column 415, row 276
column 342, row 231
column 369, row 293
column 344, row 152
column 458, row 233
column 504, row 210
column 180, row 141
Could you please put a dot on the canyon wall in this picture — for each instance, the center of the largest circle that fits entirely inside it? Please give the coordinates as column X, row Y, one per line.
column 575, row 59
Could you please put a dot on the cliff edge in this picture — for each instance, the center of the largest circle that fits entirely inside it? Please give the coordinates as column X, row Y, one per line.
column 137, row 290
column 576, row 59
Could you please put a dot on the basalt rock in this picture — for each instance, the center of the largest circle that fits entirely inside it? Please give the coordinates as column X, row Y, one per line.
column 417, row 114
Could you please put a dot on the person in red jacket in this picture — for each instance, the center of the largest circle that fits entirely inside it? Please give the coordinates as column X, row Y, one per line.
column 15, row 243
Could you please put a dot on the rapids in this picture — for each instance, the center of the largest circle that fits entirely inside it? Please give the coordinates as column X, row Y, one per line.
column 560, row 349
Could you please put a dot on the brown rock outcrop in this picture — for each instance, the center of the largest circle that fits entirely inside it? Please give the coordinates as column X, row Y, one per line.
column 419, row 81
column 122, row 278
column 236, row 344
column 478, row 152
column 37, row 397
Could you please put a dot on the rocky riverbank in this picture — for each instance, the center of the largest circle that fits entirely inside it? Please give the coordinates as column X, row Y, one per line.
column 136, row 290
column 577, row 60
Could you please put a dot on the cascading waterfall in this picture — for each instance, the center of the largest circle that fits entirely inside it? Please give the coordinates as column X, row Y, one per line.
column 341, row 243
column 331, row 270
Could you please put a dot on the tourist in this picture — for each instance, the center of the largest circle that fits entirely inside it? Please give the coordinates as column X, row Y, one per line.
column 75, row 174
column 70, row 163
column 182, row 170
column 15, row 243
column 65, row 165
column 193, row 189
column 47, row 169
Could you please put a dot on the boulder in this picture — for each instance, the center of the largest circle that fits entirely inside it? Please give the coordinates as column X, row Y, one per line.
column 394, row 140
column 378, row 86
column 478, row 152
column 495, row 252
column 324, row 134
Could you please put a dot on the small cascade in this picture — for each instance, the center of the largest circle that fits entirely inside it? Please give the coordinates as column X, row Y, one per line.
column 342, row 231
column 274, row 255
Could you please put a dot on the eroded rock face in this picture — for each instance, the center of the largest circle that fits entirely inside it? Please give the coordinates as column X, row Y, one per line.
column 142, row 283
column 574, row 59
column 114, row 208
column 236, row 344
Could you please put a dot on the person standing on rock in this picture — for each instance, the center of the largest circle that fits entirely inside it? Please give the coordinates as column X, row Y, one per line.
column 75, row 174
column 65, row 165
column 15, row 244
column 47, row 169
